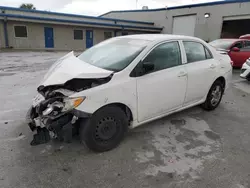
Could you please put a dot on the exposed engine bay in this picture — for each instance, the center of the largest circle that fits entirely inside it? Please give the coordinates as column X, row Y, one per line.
column 53, row 113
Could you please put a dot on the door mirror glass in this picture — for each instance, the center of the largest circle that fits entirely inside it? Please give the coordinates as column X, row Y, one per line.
column 148, row 67
column 235, row 49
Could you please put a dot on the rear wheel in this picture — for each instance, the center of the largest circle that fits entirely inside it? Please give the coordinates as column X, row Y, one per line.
column 214, row 96
column 105, row 129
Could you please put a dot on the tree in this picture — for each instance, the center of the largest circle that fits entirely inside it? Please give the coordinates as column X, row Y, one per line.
column 28, row 6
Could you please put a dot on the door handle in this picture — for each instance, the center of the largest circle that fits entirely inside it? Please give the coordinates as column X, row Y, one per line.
column 182, row 74
column 212, row 66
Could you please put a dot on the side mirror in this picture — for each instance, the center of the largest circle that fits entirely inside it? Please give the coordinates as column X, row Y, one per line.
column 148, row 66
column 235, row 49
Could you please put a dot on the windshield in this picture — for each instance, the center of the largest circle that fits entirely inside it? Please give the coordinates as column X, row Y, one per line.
column 114, row 54
column 222, row 43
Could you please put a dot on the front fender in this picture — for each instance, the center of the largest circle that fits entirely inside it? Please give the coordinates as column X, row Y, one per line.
column 112, row 92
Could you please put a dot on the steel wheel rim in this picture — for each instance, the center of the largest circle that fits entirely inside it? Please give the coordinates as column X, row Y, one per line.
column 106, row 130
column 216, row 95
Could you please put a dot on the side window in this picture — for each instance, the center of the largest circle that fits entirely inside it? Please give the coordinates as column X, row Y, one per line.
column 247, row 43
column 107, row 35
column 20, row 31
column 238, row 45
column 195, row 52
column 208, row 53
column 78, row 34
column 246, row 46
column 124, row 33
column 165, row 56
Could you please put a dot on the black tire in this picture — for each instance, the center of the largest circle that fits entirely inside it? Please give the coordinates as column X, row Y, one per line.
column 209, row 104
column 105, row 129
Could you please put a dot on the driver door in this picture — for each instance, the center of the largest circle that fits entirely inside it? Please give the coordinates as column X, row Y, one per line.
column 237, row 56
column 162, row 82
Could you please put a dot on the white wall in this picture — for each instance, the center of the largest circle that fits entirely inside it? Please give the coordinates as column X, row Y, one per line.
column 207, row 29
column 158, row 17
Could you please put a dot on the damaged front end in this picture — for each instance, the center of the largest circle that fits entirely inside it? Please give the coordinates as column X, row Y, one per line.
column 53, row 113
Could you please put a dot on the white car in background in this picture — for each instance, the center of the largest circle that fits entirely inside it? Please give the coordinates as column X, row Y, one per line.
column 125, row 82
column 245, row 70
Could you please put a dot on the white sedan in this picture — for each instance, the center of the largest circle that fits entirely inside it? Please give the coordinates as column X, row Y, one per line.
column 125, row 82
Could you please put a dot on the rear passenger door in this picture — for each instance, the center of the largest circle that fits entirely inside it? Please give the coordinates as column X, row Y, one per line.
column 201, row 68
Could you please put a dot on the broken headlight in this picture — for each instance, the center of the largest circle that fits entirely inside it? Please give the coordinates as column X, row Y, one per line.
column 53, row 108
column 71, row 103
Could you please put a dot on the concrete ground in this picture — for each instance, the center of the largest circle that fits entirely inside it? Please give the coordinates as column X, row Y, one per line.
column 192, row 148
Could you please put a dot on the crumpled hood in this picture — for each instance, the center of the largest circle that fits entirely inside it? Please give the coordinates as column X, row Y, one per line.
column 69, row 67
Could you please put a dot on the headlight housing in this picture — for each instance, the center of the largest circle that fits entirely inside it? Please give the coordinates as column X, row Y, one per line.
column 71, row 103
column 248, row 62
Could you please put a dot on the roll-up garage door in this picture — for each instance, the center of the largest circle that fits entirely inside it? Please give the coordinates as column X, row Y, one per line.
column 235, row 26
column 184, row 25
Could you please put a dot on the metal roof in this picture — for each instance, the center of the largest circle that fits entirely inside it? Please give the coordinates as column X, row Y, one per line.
column 11, row 13
column 73, row 15
column 209, row 4
column 182, row 6
column 120, row 26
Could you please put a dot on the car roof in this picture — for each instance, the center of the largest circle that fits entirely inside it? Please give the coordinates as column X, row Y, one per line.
column 247, row 36
column 231, row 39
column 159, row 37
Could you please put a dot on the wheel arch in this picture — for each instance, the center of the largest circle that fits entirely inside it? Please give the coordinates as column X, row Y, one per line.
column 222, row 80
column 207, row 102
column 122, row 106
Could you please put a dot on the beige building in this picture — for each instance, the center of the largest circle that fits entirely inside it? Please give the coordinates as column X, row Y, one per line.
column 209, row 21
column 33, row 29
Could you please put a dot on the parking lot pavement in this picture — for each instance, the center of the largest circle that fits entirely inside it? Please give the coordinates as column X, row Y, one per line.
column 192, row 148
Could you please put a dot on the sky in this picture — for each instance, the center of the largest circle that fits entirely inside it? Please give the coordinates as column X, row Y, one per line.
column 96, row 7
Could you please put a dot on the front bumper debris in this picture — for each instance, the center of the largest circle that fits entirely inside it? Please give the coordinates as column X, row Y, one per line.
column 41, row 137
column 59, row 127
column 62, row 127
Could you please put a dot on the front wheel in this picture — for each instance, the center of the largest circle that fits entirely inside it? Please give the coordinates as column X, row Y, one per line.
column 214, row 96
column 105, row 129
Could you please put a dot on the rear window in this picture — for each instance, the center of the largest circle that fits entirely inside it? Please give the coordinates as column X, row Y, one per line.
column 222, row 43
